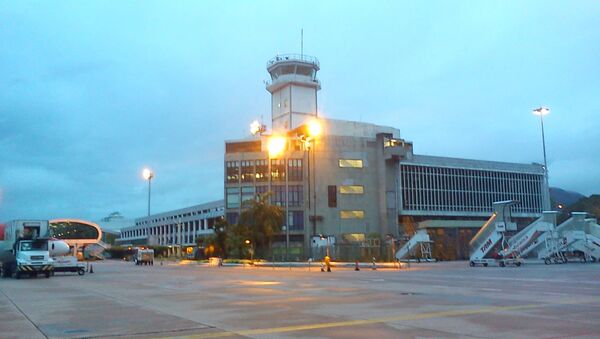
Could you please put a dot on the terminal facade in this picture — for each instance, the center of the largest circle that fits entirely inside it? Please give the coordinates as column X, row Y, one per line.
column 359, row 184
column 178, row 228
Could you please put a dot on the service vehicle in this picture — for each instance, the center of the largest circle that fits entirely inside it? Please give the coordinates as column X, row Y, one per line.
column 143, row 256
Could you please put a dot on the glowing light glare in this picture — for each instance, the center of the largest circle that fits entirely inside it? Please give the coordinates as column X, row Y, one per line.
column 276, row 146
column 255, row 127
column 314, row 128
column 147, row 174
column 541, row 111
column 247, row 242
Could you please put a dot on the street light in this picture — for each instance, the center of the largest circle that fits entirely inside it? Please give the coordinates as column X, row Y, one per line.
column 541, row 111
column 276, row 146
column 314, row 130
column 323, row 237
column 257, row 128
column 148, row 175
column 250, row 249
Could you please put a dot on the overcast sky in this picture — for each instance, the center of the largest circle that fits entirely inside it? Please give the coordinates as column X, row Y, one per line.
column 93, row 91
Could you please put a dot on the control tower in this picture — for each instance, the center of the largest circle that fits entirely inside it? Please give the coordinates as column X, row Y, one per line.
column 293, row 89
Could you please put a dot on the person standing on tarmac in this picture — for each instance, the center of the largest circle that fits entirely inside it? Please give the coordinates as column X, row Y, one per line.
column 328, row 263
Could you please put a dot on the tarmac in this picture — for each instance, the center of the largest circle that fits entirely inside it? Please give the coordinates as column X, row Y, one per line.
column 185, row 300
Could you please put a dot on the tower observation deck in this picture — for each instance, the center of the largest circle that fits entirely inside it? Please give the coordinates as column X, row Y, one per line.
column 293, row 89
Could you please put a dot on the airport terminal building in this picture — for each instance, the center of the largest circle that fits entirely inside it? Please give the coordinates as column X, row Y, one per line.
column 177, row 228
column 358, row 184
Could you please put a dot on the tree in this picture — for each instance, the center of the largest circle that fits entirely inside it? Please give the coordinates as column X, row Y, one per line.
column 260, row 221
column 215, row 244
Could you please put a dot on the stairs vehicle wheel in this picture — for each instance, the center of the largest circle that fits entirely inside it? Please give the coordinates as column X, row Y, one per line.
column 518, row 263
column 485, row 264
column 547, row 261
column 47, row 274
column 472, row 264
column 502, row 264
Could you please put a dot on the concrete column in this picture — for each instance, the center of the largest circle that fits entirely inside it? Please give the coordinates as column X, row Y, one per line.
column 381, row 187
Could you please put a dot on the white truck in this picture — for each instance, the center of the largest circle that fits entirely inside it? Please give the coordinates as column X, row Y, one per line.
column 22, row 249
column 143, row 256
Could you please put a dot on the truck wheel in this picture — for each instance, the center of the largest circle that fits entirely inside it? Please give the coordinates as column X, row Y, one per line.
column 518, row 263
column 502, row 264
column 472, row 264
column 485, row 264
column 81, row 271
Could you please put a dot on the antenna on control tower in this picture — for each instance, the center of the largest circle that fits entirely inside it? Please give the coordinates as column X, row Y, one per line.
column 302, row 42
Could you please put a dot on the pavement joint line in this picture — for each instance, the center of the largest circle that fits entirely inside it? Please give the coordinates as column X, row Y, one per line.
column 23, row 313
column 419, row 316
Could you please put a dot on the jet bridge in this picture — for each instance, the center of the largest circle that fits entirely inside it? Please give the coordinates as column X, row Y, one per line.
column 491, row 233
column 420, row 240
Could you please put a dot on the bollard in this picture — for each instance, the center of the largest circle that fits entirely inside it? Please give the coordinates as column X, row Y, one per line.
column 91, row 269
column 373, row 266
column 356, row 266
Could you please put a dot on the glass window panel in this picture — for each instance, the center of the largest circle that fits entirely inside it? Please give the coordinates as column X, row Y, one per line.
column 355, row 214
column 352, row 189
column 353, row 163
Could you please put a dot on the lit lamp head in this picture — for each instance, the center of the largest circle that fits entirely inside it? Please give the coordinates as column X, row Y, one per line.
column 314, row 128
column 257, row 128
column 541, row 111
column 276, row 146
column 147, row 174
column 247, row 242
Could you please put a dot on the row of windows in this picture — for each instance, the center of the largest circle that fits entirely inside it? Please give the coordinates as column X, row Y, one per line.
column 455, row 189
column 236, row 196
column 258, row 170
column 295, row 219
column 184, row 232
column 179, row 216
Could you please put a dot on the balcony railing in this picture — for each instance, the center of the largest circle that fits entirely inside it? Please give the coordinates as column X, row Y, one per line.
column 294, row 57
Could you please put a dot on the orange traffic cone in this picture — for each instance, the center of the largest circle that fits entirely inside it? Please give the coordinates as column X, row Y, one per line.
column 356, row 266
column 91, row 269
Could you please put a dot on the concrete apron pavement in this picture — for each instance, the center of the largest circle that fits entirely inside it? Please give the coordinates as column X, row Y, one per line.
column 431, row 300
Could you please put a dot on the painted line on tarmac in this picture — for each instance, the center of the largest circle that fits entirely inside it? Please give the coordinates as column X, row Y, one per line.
column 419, row 316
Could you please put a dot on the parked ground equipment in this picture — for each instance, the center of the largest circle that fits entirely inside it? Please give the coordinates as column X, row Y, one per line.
column 143, row 256
column 419, row 241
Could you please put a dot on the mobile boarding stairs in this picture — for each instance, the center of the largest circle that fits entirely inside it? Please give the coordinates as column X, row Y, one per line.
column 419, row 241
column 540, row 241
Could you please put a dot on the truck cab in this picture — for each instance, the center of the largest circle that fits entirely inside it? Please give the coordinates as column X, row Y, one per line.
column 32, row 258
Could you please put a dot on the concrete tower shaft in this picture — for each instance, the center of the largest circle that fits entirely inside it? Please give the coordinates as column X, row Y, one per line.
column 293, row 89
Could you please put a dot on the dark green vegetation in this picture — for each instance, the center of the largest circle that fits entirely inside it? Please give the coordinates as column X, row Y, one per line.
column 254, row 232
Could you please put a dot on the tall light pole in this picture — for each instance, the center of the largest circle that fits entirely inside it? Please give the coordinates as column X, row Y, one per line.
column 314, row 131
column 276, row 147
column 541, row 111
column 148, row 175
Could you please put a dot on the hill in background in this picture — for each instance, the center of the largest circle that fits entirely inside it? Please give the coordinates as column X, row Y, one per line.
column 562, row 197
column 590, row 205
